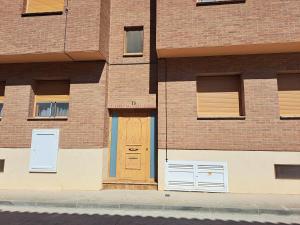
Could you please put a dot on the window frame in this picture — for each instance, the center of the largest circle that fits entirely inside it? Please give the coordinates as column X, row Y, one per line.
column 133, row 28
column 53, row 107
column 25, row 12
column 294, row 116
column 1, row 109
column 2, row 97
column 280, row 173
column 219, row 2
column 50, row 98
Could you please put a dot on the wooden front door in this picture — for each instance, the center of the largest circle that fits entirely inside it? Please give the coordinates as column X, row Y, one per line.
column 134, row 147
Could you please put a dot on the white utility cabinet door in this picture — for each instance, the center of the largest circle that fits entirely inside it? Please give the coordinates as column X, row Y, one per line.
column 196, row 176
column 44, row 150
column 180, row 175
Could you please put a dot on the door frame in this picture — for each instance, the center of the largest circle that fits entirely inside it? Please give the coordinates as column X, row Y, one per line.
column 113, row 144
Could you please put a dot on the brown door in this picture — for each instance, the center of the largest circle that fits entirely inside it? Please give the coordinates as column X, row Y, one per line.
column 134, row 147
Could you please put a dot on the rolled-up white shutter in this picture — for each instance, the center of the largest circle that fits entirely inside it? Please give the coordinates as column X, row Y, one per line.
column 196, row 176
column 44, row 150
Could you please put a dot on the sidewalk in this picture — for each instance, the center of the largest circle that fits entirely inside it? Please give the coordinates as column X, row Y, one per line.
column 156, row 200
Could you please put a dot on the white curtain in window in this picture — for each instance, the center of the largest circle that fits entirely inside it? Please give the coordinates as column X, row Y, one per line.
column 62, row 109
column 44, row 109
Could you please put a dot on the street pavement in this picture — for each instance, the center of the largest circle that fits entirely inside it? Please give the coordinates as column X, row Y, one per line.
column 255, row 203
column 121, row 207
column 27, row 218
column 33, row 215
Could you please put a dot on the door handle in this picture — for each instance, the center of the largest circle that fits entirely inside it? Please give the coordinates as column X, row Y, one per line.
column 133, row 149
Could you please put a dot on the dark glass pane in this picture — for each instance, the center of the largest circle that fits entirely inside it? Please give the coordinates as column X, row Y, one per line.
column 2, row 162
column 62, row 109
column 43, row 109
column 1, row 109
column 287, row 171
column 134, row 41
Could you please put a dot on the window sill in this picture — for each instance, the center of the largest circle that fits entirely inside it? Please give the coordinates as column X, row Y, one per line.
column 221, row 118
column 221, row 2
column 290, row 117
column 47, row 118
column 42, row 14
column 42, row 171
column 132, row 54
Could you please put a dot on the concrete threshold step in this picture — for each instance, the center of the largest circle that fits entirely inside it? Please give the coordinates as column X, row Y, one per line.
column 84, row 205
column 112, row 185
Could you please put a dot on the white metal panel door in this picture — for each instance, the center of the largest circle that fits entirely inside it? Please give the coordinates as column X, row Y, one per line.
column 211, row 177
column 196, row 176
column 44, row 150
column 180, row 175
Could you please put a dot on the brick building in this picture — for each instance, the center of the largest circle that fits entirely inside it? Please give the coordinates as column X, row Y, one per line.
column 191, row 95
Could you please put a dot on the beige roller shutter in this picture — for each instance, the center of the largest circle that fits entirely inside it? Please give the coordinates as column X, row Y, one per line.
column 39, row 6
column 219, row 96
column 289, row 94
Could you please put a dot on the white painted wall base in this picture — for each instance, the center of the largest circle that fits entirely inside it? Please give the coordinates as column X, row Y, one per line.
column 248, row 171
column 77, row 169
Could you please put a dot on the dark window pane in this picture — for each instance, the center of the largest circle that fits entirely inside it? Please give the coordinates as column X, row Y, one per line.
column 2, row 162
column 287, row 171
column 221, row 1
column 62, row 109
column 134, row 40
column 1, row 109
column 43, row 109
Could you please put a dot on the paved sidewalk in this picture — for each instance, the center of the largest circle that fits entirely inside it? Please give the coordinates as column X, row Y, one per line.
column 156, row 200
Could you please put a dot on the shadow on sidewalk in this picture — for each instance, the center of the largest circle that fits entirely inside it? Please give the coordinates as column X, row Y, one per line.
column 26, row 218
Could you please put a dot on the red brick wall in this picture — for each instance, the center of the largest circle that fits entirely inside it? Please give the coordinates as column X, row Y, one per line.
column 23, row 35
column 128, row 13
column 131, row 79
column 83, row 25
column 105, row 28
column 182, row 24
column 129, row 86
column 50, row 34
column 85, row 125
column 261, row 130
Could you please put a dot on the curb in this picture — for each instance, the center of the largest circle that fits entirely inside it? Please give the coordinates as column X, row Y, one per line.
column 255, row 211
